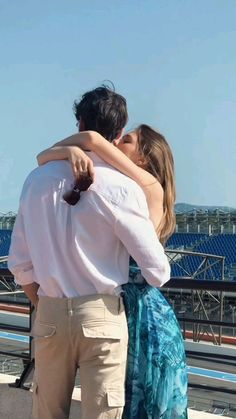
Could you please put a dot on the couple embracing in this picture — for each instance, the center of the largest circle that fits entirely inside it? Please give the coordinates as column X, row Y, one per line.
column 73, row 261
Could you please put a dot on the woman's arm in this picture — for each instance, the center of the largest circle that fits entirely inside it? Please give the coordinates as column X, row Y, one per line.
column 91, row 140
column 80, row 162
column 70, row 149
column 53, row 153
column 59, row 152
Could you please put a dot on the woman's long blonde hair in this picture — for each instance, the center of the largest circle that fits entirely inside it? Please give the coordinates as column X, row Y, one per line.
column 160, row 163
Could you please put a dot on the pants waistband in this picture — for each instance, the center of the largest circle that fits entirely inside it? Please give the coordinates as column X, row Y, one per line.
column 96, row 300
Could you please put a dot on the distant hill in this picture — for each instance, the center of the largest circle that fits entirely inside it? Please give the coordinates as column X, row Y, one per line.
column 183, row 207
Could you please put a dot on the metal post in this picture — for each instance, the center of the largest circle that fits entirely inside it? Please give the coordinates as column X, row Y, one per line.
column 221, row 301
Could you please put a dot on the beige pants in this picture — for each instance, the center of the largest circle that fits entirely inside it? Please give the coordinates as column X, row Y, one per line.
column 85, row 332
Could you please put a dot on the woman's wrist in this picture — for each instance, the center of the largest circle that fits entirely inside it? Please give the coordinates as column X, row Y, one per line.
column 73, row 150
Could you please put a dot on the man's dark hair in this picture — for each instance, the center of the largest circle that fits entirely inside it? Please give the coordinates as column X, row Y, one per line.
column 102, row 110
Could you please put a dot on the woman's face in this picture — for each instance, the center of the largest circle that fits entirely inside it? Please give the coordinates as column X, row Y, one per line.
column 128, row 144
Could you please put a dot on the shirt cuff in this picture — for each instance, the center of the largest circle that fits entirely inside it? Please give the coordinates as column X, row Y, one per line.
column 24, row 277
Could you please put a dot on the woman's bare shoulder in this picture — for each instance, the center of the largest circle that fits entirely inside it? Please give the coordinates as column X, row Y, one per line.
column 154, row 192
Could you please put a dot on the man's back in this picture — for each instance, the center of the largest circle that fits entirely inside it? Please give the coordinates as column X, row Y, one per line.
column 74, row 249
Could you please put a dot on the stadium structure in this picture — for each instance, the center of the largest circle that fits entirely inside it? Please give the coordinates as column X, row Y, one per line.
column 7, row 220
column 207, row 220
column 189, row 219
column 200, row 230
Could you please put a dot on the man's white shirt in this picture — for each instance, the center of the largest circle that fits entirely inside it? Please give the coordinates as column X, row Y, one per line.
column 83, row 249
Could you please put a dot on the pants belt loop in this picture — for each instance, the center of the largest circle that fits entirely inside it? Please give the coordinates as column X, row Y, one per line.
column 70, row 308
column 119, row 305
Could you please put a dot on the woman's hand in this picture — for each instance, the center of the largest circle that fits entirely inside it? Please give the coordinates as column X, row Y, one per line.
column 81, row 164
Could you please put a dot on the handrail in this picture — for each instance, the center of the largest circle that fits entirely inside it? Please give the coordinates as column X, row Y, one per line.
column 200, row 284
column 191, row 253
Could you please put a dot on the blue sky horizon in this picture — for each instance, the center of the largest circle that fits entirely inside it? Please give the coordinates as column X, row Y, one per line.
column 172, row 60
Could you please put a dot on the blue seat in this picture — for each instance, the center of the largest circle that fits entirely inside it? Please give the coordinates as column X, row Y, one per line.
column 221, row 244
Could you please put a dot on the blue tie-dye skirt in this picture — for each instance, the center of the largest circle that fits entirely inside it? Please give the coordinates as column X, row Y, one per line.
column 156, row 383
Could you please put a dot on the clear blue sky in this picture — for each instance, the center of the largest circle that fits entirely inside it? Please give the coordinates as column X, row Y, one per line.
column 174, row 61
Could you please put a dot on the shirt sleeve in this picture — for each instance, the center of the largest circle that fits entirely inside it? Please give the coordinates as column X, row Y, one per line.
column 19, row 260
column 136, row 231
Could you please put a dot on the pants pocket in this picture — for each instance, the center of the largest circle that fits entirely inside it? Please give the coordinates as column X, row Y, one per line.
column 42, row 330
column 115, row 401
column 115, row 398
column 105, row 330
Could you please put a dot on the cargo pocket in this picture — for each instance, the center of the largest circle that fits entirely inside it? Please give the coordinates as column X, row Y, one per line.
column 105, row 330
column 42, row 330
column 115, row 399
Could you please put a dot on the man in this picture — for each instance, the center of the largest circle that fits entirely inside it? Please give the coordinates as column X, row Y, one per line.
column 72, row 260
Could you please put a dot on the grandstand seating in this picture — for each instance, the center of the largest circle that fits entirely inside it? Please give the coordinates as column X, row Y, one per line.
column 186, row 240
column 5, row 238
column 220, row 244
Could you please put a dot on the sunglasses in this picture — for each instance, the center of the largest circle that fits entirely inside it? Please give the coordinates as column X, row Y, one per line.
column 80, row 185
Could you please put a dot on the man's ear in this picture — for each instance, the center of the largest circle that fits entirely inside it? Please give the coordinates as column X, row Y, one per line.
column 121, row 133
column 81, row 125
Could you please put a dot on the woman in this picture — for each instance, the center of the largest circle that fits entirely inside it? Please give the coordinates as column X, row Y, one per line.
column 156, row 384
